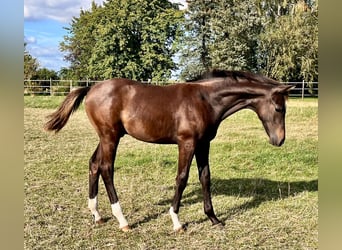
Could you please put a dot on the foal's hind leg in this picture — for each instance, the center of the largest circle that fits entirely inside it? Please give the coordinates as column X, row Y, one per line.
column 108, row 149
column 93, row 186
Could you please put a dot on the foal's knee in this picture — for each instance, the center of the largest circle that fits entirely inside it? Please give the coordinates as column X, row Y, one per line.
column 182, row 179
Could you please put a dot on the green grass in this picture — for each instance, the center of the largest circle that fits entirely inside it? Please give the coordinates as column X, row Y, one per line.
column 266, row 196
column 43, row 101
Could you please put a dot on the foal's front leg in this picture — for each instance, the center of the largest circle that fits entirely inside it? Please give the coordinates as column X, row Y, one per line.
column 186, row 153
column 202, row 158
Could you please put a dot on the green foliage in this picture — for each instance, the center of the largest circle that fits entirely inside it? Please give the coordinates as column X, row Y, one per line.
column 80, row 41
column 195, row 56
column 220, row 34
column 45, row 74
column 30, row 64
column 236, row 25
column 289, row 46
column 139, row 39
column 278, row 38
column 67, row 74
column 127, row 38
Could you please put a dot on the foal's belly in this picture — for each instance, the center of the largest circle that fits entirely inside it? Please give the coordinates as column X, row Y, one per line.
column 153, row 131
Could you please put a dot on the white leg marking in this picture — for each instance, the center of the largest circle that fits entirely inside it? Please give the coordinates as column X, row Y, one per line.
column 117, row 212
column 92, row 205
column 176, row 224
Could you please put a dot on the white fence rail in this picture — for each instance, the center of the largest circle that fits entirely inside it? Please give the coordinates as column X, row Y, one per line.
column 63, row 87
column 53, row 87
column 304, row 89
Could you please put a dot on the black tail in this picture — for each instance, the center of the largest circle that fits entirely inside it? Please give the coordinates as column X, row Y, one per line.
column 60, row 117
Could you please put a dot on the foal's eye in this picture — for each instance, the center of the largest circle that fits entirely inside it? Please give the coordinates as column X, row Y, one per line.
column 280, row 109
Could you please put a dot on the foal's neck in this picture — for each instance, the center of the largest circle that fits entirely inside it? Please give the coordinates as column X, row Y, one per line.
column 228, row 98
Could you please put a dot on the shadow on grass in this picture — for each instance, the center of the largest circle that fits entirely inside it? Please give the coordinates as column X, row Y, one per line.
column 259, row 190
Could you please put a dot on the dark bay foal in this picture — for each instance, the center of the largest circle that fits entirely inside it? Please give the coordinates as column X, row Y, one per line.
column 186, row 114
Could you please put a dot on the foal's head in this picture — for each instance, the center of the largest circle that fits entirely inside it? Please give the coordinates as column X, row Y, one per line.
column 271, row 111
column 269, row 99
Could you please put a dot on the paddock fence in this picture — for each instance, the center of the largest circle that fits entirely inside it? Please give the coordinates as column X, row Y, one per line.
column 63, row 87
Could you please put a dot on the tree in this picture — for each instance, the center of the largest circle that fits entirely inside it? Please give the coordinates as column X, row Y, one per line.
column 278, row 38
column 220, row 34
column 124, row 38
column 45, row 74
column 236, row 27
column 66, row 74
column 195, row 53
column 80, row 41
column 30, row 65
column 288, row 48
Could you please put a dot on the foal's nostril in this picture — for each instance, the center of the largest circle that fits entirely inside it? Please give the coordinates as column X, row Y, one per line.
column 274, row 140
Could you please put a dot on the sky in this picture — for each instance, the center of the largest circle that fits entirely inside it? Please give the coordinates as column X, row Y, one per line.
column 44, row 28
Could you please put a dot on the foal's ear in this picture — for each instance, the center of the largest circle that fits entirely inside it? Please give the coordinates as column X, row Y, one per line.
column 283, row 89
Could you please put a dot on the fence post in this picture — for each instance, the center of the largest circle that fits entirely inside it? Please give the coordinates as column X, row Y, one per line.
column 50, row 86
column 70, row 85
column 303, row 90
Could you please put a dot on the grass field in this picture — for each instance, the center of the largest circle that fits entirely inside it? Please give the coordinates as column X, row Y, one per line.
column 266, row 196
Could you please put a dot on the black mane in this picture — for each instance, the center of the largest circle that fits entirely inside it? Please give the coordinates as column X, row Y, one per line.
column 233, row 74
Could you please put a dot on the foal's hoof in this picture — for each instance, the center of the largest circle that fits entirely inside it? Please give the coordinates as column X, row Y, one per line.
column 126, row 229
column 218, row 226
column 100, row 222
column 180, row 230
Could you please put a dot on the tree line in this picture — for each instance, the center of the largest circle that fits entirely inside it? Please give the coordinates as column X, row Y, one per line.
column 144, row 40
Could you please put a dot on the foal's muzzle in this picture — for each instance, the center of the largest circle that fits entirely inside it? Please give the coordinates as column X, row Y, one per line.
column 277, row 141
